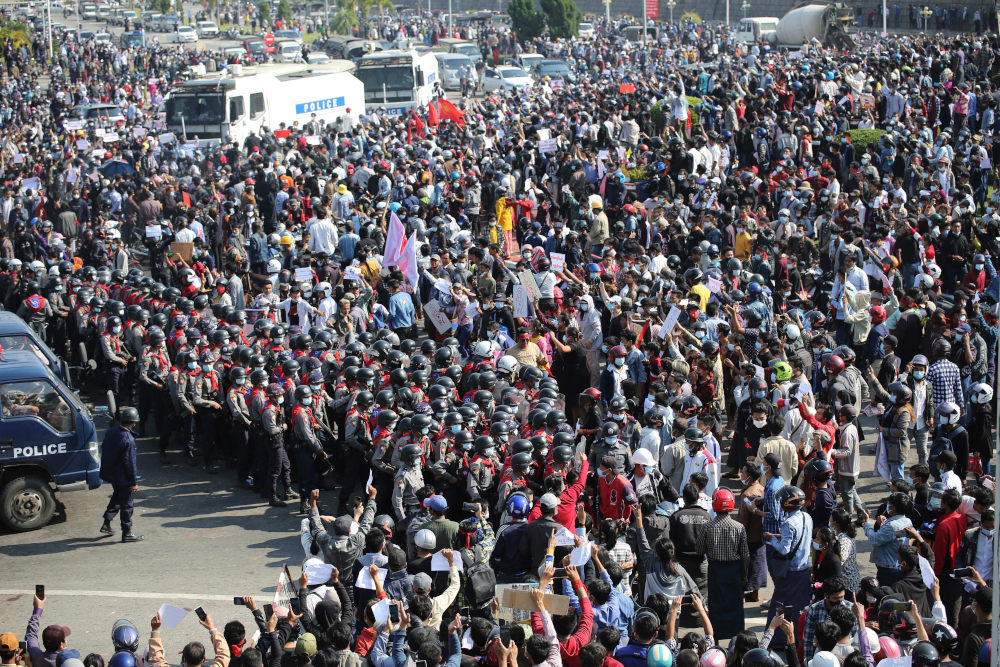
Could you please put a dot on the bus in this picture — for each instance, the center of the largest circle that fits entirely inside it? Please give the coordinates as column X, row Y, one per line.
column 397, row 81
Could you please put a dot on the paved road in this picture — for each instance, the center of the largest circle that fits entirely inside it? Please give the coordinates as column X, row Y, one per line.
column 206, row 541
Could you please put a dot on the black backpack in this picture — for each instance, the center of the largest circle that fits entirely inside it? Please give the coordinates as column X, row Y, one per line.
column 480, row 582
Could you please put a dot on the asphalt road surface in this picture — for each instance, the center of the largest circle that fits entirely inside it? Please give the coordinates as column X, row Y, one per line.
column 206, row 541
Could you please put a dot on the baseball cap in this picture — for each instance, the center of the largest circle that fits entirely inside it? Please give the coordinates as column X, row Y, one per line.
column 397, row 559
column 422, row 582
column 8, row 641
column 306, row 645
column 772, row 460
column 549, row 501
column 437, row 503
column 342, row 526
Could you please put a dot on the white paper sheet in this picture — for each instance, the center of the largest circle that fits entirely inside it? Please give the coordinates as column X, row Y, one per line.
column 581, row 555
column 440, row 564
column 365, row 578
column 381, row 610
column 171, row 615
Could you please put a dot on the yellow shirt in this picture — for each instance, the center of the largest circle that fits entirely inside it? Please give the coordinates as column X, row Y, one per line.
column 703, row 294
column 743, row 246
column 505, row 215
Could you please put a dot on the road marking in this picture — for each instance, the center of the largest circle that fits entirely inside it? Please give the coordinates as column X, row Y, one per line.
column 121, row 594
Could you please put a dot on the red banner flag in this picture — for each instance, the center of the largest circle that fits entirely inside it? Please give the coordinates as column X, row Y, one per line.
column 432, row 113
column 652, row 8
column 450, row 112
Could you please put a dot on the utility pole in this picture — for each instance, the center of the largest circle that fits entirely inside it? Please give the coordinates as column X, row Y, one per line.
column 885, row 20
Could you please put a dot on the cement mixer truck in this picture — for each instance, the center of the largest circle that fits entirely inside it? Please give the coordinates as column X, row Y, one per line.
column 826, row 24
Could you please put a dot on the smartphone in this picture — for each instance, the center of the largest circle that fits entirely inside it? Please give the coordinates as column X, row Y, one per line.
column 901, row 606
column 394, row 612
column 201, row 613
column 238, row 601
column 22, row 646
column 464, row 612
column 779, row 609
column 294, row 604
column 40, row 591
column 505, row 635
column 962, row 572
column 686, row 599
column 849, row 596
column 268, row 610
column 421, row 663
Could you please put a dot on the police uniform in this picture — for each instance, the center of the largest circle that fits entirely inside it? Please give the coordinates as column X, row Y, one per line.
column 404, row 493
column 259, row 442
column 358, row 439
column 273, row 427
column 383, row 472
column 307, row 446
column 116, row 357
column 154, row 368
column 119, row 469
column 183, row 396
column 482, row 476
column 207, row 401
column 239, row 418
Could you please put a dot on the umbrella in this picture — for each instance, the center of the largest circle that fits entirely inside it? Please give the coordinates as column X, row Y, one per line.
column 116, row 168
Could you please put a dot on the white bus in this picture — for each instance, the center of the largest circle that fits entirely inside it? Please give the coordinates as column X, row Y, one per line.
column 397, row 81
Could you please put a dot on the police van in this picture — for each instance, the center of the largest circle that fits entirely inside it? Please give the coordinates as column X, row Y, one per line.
column 48, row 441
column 15, row 334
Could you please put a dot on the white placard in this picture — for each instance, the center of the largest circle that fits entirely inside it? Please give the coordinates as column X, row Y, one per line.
column 303, row 274
column 714, row 285
column 530, row 286
column 97, row 152
column 603, row 154
column 72, row 175
column 29, row 184
column 18, row 158
column 154, row 232
column 73, row 125
column 758, row 371
column 670, row 322
column 926, row 571
column 313, row 140
column 172, row 616
column 579, row 556
column 543, row 133
column 547, row 146
column 82, row 144
column 380, row 610
column 109, row 137
column 98, row 131
column 318, row 573
column 558, row 261
column 166, row 137
column 440, row 564
column 365, row 578
column 557, row 84
column 520, row 302
column 443, row 285
column 138, row 132
column 564, row 538
column 433, row 310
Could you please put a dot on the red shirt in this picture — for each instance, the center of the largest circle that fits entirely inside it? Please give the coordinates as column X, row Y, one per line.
column 617, row 498
column 947, row 538
column 570, row 647
column 566, row 513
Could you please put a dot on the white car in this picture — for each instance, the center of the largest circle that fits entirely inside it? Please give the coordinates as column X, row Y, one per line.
column 207, row 29
column 317, row 58
column 585, row 30
column 184, row 33
column 506, row 78
column 103, row 38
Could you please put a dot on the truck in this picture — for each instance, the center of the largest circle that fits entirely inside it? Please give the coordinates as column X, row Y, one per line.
column 48, row 441
column 231, row 105
column 756, row 30
column 826, row 24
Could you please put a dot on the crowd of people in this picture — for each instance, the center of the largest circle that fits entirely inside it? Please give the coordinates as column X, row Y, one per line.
column 551, row 363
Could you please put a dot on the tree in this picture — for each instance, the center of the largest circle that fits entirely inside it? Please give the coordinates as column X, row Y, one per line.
column 264, row 13
column 16, row 33
column 379, row 5
column 284, row 11
column 344, row 21
column 179, row 9
column 526, row 22
column 562, row 16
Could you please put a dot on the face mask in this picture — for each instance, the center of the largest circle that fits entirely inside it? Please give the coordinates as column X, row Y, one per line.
column 425, row 431
column 604, row 348
column 611, row 441
column 837, row 404
column 774, row 378
column 192, row 366
column 498, row 305
column 979, row 267
column 584, row 307
column 278, row 341
column 460, row 265
column 759, row 394
column 116, row 330
column 935, row 502
column 816, row 545
column 619, row 362
column 316, row 388
column 457, row 428
column 760, row 423
column 207, row 368
column 307, row 400
column 759, row 346
column 618, row 416
column 988, row 533
column 730, row 347
column 490, row 452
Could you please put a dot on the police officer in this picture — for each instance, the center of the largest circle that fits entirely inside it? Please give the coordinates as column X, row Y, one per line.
column 258, row 441
column 115, row 356
column 119, row 468
column 306, row 444
column 208, row 405
column 154, row 367
column 383, row 472
column 182, row 390
column 239, row 418
column 272, row 421
column 409, row 479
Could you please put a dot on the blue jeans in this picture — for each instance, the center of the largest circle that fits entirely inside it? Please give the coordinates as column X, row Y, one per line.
column 910, row 271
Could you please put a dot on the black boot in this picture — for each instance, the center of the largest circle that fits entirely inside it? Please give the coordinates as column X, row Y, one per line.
column 106, row 528
column 132, row 537
column 303, row 506
column 276, row 502
column 291, row 495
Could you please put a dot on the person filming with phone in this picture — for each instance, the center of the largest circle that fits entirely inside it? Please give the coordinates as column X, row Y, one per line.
column 193, row 654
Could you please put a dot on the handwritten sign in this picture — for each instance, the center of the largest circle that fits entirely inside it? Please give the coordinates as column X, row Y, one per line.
column 138, row 132
column 185, row 250
column 558, row 261
column 82, row 144
column 154, row 232
column 530, row 286
column 520, row 302
column 109, row 137
column 166, row 137
column 547, row 146
column 303, row 274
column 73, row 125
column 313, row 140
column 714, row 285
column 29, row 184
column 557, row 84
column 670, row 322
column 437, row 317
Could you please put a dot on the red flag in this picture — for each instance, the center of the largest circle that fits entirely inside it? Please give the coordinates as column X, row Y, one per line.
column 282, row 134
column 450, row 112
column 418, row 125
column 432, row 113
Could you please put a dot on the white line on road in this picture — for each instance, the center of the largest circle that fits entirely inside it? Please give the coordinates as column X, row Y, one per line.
column 122, row 594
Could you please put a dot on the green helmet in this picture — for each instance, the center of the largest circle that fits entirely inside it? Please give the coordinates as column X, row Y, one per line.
column 783, row 371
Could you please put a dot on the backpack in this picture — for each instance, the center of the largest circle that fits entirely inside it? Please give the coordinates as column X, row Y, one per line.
column 480, row 584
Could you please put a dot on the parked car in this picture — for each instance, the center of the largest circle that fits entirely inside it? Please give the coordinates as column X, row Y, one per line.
column 287, row 51
column 449, row 65
column 317, row 58
column 555, row 69
column 506, row 78
column 207, row 29
column 585, row 30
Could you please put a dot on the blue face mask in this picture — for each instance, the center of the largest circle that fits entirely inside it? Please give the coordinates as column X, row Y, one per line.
column 618, row 416
column 467, row 447
column 425, row 431
column 611, row 441
column 207, row 368
column 919, row 375
column 759, row 394
column 619, row 362
column 307, row 401
column 759, row 346
column 316, row 388
column 988, row 533
column 457, row 428
column 192, row 366
column 730, row 347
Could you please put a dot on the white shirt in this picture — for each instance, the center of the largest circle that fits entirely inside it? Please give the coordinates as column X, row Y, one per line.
column 323, row 236
column 984, row 556
column 951, row 481
column 186, row 235
column 919, row 399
